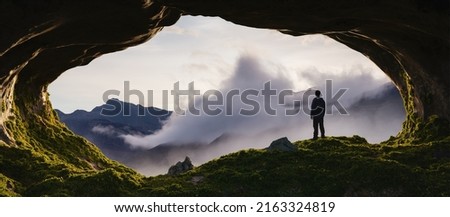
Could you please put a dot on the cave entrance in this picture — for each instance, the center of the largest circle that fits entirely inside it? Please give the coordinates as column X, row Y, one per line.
column 218, row 55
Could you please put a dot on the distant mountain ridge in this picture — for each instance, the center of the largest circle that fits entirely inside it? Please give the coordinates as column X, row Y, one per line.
column 385, row 95
column 103, row 125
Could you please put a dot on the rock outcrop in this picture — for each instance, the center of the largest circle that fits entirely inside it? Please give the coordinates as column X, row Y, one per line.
column 282, row 144
column 181, row 167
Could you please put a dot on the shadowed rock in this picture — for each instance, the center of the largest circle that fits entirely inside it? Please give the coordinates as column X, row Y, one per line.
column 282, row 144
column 181, row 167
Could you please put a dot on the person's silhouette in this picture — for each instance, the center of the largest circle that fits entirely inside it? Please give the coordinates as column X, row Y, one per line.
column 317, row 114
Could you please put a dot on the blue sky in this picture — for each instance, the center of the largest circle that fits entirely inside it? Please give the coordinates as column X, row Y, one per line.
column 204, row 50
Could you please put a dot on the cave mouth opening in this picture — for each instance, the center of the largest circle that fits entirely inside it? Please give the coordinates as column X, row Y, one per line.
column 408, row 40
column 216, row 54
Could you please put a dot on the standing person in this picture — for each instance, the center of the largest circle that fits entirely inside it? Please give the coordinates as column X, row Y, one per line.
column 317, row 114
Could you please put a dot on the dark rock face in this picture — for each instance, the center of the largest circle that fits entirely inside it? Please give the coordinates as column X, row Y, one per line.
column 408, row 39
column 181, row 167
column 42, row 39
column 282, row 144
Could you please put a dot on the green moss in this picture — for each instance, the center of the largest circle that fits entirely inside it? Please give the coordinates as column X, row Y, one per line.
column 417, row 130
column 335, row 166
column 8, row 187
column 422, row 132
column 46, row 159
column 325, row 167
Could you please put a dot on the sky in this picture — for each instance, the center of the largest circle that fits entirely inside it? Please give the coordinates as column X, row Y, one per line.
column 205, row 51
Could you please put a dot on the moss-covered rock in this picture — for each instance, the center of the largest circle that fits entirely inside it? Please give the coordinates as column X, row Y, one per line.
column 8, row 187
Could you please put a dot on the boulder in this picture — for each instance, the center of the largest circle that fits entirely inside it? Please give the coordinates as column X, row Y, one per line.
column 181, row 167
column 282, row 144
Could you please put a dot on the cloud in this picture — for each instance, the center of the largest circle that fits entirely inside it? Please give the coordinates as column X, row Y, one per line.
column 375, row 112
column 251, row 73
column 178, row 30
column 104, row 130
column 357, row 79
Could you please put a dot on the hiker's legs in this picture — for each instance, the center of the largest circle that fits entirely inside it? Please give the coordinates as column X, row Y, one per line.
column 322, row 128
column 315, row 126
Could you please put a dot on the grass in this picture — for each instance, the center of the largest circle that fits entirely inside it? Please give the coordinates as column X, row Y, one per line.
column 46, row 159
column 336, row 166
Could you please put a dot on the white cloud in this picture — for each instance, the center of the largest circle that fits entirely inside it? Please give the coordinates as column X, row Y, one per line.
column 180, row 31
column 104, row 130
column 251, row 73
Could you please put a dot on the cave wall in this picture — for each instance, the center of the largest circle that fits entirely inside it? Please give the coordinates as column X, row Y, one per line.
column 408, row 39
column 39, row 40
